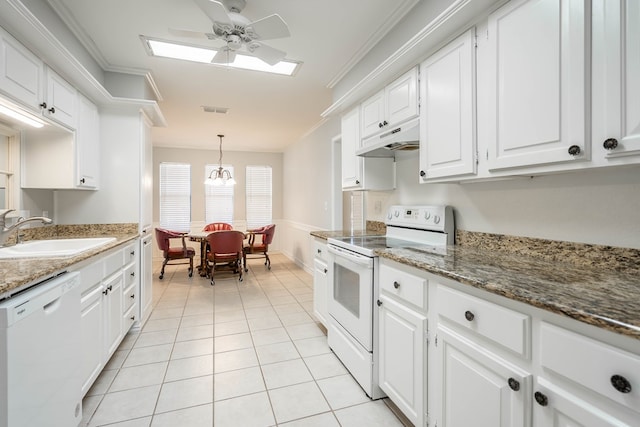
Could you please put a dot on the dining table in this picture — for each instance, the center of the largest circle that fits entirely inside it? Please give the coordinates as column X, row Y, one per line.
column 201, row 236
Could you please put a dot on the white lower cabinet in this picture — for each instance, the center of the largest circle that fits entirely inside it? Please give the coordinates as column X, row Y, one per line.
column 112, row 290
column 477, row 387
column 402, row 339
column 402, row 357
column 557, row 407
column 320, row 283
column 495, row 362
column 109, row 306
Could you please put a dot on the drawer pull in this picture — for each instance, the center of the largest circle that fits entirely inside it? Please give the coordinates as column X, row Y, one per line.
column 325, row 271
column 133, row 295
column 396, row 285
column 621, row 384
column 319, row 251
column 133, row 274
column 133, row 318
column 469, row 315
column 513, row 384
column 541, row 398
column 379, row 303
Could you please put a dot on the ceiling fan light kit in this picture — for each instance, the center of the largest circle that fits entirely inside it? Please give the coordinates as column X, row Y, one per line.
column 236, row 31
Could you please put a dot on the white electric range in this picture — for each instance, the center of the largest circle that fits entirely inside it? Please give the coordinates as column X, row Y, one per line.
column 353, row 283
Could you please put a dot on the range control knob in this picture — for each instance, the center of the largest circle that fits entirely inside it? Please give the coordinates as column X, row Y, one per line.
column 436, row 219
column 396, row 214
column 427, row 215
column 389, row 215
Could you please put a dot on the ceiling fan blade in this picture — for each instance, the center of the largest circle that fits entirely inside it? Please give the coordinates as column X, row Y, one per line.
column 192, row 34
column 224, row 56
column 215, row 11
column 270, row 27
column 266, row 53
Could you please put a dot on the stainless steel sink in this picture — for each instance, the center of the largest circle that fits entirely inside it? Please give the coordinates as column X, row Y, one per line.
column 53, row 248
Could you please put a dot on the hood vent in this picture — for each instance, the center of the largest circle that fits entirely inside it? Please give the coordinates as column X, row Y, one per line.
column 405, row 137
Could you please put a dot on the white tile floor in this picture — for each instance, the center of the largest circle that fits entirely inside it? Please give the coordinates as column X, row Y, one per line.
column 234, row 354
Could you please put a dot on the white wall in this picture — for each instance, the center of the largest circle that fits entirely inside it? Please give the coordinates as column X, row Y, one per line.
column 306, row 187
column 238, row 159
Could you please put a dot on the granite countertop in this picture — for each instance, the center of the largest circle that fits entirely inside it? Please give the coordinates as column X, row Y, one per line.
column 23, row 272
column 603, row 297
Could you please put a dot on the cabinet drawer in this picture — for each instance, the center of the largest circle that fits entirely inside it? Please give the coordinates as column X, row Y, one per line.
column 113, row 262
column 90, row 275
column 320, row 250
column 130, row 275
column 130, row 253
column 501, row 325
column 129, row 298
column 609, row 371
column 403, row 285
column 129, row 319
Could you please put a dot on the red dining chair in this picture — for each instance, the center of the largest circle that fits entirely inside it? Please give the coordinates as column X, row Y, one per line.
column 262, row 247
column 217, row 226
column 225, row 247
column 163, row 238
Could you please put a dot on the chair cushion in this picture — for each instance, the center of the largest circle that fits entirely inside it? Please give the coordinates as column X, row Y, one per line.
column 255, row 248
column 178, row 252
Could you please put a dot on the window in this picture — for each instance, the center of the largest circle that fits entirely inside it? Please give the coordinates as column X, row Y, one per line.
column 218, row 205
column 258, row 196
column 175, row 196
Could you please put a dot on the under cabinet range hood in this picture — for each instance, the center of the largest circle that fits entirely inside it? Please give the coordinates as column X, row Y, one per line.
column 405, row 137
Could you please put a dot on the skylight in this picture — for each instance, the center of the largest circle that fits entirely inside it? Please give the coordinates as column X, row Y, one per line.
column 204, row 55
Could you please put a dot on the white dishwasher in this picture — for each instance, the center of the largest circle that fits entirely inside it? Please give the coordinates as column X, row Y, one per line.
column 40, row 355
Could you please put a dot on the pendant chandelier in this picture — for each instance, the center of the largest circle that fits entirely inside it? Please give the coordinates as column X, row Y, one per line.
column 220, row 176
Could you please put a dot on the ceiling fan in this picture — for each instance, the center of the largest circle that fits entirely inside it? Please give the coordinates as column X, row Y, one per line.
column 236, row 30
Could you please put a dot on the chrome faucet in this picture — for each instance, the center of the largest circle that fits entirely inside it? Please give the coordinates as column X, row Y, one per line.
column 6, row 231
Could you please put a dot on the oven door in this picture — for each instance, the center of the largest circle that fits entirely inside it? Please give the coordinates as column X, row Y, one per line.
column 350, row 278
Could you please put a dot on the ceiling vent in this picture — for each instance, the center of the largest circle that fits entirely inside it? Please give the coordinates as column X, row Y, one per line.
column 219, row 110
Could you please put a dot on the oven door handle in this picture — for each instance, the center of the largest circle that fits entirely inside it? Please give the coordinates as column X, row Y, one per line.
column 351, row 256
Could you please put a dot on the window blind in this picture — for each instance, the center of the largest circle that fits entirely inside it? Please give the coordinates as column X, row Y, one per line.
column 218, row 206
column 258, row 196
column 175, row 196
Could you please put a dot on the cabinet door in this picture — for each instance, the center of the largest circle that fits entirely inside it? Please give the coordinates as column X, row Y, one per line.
column 477, row 388
column 402, row 358
column 91, row 329
column 87, row 144
column 448, row 136
column 61, row 100
column 372, row 115
column 113, row 313
column 146, row 278
column 556, row 407
column 401, row 98
column 616, row 78
column 21, row 72
column 537, row 83
column 351, row 164
column 320, row 291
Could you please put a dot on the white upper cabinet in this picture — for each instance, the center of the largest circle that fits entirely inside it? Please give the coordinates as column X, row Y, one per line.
column 351, row 164
column 21, row 72
column 616, row 79
column 362, row 173
column 61, row 102
column 393, row 105
column 447, row 118
column 88, row 144
column 537, row 83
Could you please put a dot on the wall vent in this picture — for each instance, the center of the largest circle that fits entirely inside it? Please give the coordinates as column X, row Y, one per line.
column 219, row 110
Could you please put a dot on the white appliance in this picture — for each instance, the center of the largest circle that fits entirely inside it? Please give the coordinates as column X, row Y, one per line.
column 40, row 382
column 353, row 283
